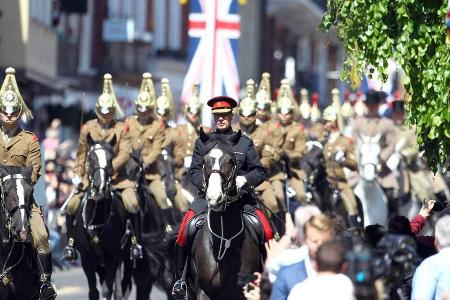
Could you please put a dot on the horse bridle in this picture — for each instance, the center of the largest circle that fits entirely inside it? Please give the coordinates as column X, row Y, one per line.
column 91, row 178
column 9, row 213
column 228, row 199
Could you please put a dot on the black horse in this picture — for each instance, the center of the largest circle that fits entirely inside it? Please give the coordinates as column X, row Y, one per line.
column 19, row 278
column 155, row 267
column 318, row 188
column 224, row 250
column 100, row 223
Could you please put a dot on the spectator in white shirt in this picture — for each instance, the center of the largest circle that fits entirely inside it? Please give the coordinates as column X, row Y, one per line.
column 329, row 283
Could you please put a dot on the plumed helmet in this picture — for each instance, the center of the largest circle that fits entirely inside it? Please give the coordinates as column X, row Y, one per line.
column 10, row 97
column 164, row 103
column 147, row 96
column 305, row 108
column 285, row 100
column 194, row 105
column 107, row 101
column 263, row 96
column 247, row 106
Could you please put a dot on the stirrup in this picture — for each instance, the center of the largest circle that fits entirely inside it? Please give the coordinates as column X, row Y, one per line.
column 180, row 290
column 135, row 249
column 47, row 290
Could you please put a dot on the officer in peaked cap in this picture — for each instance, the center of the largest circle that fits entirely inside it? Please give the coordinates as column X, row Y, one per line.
column 250, row 173
column 20, row 148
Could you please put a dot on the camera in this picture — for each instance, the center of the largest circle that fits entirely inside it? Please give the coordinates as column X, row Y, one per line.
column 392, row 261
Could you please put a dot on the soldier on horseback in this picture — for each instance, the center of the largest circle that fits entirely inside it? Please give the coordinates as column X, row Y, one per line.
column 294, row 142
column 183, row 148
column 104, row 128
column 263, row 142
column 146, row 137
column 250, row 173
column 338, row 153
column 21, row 148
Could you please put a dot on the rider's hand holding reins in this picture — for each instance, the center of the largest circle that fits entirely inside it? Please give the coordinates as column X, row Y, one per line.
column 240, row 181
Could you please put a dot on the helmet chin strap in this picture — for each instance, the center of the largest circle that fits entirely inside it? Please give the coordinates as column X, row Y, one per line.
column 15, row 120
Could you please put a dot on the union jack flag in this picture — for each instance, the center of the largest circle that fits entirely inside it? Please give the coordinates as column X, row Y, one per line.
column 214, row 29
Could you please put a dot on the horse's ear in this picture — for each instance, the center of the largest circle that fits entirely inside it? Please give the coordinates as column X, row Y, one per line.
column 89, row 139
column 113, row 141
column 203, row 136
column 234, row 138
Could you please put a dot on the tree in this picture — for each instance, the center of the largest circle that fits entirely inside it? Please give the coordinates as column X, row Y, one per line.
column 412, row 32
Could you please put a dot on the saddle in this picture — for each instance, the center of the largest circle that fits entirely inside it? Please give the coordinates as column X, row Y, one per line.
column 251, row 222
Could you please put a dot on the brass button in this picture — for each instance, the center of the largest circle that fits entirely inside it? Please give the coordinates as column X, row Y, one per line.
column 4, row 160
column 188, row 144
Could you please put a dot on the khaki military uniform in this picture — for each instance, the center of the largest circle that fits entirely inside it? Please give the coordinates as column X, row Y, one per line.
column 335, row 170
column 414, row 179
column 149, row 140
column 183, row 147
column 294, row 146
column 269, row 157
column 122, row 153
column 317, row 132
column 371, row 127
column 23, row 150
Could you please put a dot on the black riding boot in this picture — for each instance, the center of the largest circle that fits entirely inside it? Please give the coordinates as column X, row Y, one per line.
column 180, row 288
column 136, row 248
column 47, row 290
column 168, row 218
column 70, row 253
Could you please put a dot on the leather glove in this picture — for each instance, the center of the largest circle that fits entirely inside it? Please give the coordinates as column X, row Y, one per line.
column 240, row 182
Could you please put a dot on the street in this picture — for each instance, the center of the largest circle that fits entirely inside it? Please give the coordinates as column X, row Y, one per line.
column 71, row 285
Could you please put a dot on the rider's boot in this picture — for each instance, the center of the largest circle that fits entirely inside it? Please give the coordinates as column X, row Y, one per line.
column 353, row 221
column 136, row 248
column 180, row 288
column 70, row 253
column 168, row 218
column 47, row 290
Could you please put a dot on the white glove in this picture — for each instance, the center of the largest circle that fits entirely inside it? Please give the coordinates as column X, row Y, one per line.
column 393, row 161
column 340, row 156
column 187, row 162
column 76, row 181
column 240, row 181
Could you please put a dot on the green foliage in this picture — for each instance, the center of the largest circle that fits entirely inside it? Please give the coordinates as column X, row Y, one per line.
column 412, row 32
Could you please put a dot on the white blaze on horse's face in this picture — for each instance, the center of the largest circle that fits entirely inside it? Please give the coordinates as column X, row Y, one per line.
column 101, row 155
column 369, row 152
column 21, row 196
column 214, row 191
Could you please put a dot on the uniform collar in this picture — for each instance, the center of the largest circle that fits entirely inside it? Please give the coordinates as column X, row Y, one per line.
column 15, row 137
column 229, row 131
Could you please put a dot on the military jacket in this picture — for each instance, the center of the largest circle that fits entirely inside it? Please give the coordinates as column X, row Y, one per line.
column 294, row 146
column 317, row 132
column 148, row 139
column 183, row 147
column 121, row 150
column 248, row 163
column 386, row 127
column 22, row 150
column 334, row 169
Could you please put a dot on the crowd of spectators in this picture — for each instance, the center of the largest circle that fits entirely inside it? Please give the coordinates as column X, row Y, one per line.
column 315, row 259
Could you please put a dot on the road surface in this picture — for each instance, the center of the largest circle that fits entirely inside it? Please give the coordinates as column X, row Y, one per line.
column 72, row 285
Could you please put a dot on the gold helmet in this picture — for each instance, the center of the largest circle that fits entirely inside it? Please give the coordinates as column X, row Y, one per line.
column 330, row 113
column 263, row 96
column 194, row 106
column 247, row 106
column 305, row 108
column 107, row 101
column 347, row 110
column 11, row 99
column 164, row 103
column 285, row 100
column 146, row 98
